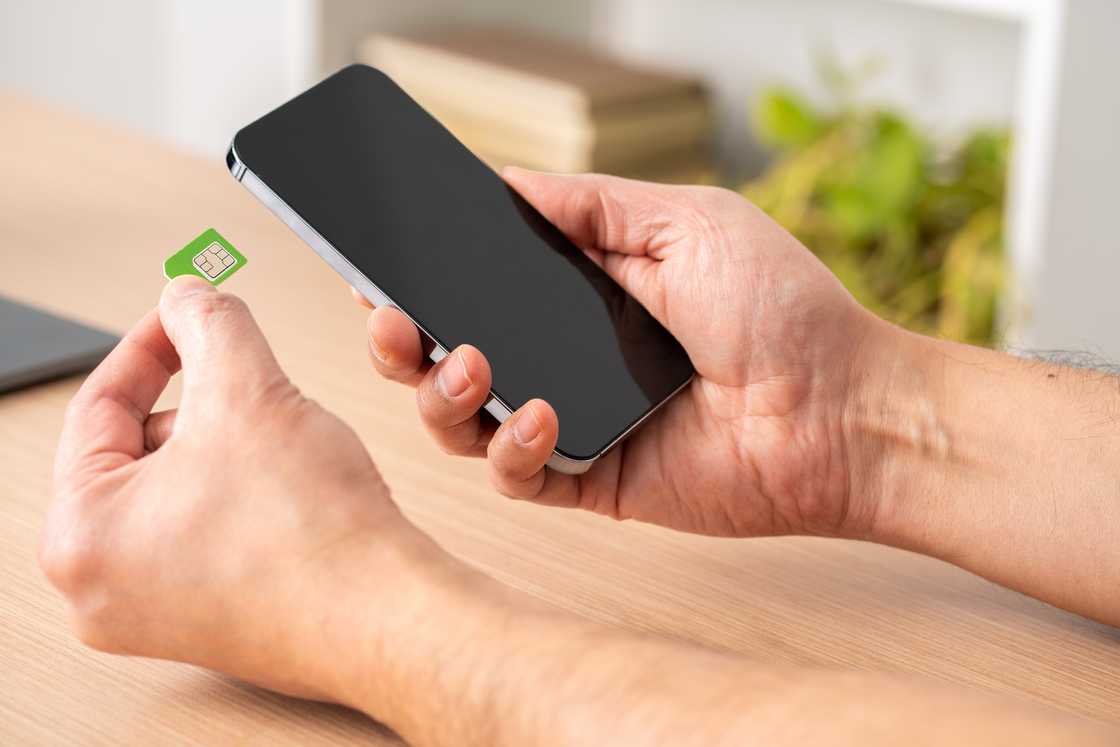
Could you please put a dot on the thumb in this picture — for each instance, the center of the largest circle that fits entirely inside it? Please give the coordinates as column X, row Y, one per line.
column 627, row 226
column 604, row 212
column 219, row 343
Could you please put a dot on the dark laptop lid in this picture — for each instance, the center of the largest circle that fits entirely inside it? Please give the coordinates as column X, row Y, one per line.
column 36, row 346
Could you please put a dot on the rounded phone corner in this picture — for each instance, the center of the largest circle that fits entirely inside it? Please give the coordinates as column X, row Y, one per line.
column 233, row 161
column 569, row 466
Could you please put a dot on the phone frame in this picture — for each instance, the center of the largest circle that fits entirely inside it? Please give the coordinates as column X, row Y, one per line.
column 351, row 274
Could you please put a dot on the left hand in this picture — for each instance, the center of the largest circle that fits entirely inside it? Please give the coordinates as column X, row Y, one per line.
column 236, row 532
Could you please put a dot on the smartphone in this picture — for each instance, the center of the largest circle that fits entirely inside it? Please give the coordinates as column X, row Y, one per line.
column 411, row 218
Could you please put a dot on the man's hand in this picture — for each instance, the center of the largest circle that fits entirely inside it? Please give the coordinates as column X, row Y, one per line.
column 808, row 414
column 226, row 533
column 248, row 532
column 756, row 445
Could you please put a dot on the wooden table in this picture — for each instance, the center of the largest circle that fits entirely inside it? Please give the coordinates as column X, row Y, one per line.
column 87, row 215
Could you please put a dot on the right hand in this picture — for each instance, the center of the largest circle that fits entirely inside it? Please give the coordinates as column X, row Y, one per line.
column 756, row 445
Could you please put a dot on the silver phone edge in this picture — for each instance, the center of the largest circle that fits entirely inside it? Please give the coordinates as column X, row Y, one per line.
column 351, row 274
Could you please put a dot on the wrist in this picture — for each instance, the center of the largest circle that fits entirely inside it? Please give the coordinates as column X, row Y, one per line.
column 389, row 584
column 937, row 431
column 1000, row 466
column 897, row 432
column 415, row 636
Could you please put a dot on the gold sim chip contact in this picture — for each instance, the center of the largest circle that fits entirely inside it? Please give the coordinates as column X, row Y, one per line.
column 214, row 260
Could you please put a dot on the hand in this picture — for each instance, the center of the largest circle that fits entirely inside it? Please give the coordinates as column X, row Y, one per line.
column 249, row 532
column 230, row 533
column 756, row 445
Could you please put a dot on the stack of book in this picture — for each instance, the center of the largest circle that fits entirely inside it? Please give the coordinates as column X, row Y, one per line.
column 513, row 98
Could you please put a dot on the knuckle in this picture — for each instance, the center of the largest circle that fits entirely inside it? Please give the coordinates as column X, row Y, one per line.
column 505, row 471
column 434, row 407
column 73, row 559
column 210, row 309
column 397, row 366
column 457, row 440
column 95, row 634
column 514, row 487
column 718, row 196
column 273, row 392
column 613, row 222
column 390, row 375
column 76, row 407
column 500, row 479
column 449, row 447
column 402, row 374
column 295, row 420
column 70, row 558
column 251, row 400
column 708, row 220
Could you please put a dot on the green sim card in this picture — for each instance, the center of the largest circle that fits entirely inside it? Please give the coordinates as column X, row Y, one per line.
column 210, row 257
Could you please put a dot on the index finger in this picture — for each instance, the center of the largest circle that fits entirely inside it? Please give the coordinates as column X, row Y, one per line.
column 104, row 424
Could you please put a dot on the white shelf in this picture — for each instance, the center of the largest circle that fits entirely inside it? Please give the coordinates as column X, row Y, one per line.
column 1009, row 10
column 1062, row 192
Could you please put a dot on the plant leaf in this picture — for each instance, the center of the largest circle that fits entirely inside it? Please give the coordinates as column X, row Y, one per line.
column 784, row 120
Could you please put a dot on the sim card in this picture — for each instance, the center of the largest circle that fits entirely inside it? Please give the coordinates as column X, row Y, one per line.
column 209, row 256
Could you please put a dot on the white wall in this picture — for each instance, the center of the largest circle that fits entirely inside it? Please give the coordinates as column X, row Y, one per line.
column 227, row 63
column 187, row 71
column 1069, row 231
column 950, row 70
column 98, row 58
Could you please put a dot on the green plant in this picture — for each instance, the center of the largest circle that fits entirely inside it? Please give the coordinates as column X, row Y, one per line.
column 914, row 229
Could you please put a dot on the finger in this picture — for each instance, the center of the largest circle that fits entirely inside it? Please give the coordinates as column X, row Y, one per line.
column 603, row 212
column 519, row 451
column 625, row 226
column 359, row 298
column 158, row 428
column 104, row 424
column 220, row 345
column 395, row 347
column 450, row 398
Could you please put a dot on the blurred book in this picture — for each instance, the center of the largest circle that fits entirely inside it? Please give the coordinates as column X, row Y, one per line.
column 515, row 98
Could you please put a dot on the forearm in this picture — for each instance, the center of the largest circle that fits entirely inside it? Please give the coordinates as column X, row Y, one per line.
column 466, row 660
column 1006, row 467
column 461, row 659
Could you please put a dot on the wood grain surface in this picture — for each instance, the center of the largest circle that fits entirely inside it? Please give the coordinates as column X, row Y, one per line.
column 87, row 215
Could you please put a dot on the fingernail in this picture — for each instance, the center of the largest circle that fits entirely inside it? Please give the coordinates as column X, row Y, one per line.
column 378, row 351
column 187, row 285
column 527, row 427
column 375, row 348
column 452, row 378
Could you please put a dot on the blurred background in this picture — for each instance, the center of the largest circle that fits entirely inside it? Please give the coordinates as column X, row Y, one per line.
column 953, row 161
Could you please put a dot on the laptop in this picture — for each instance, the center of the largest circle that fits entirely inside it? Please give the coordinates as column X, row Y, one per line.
column 36, row 346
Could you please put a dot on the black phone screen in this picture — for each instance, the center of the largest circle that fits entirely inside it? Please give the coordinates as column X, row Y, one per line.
column 465, row 256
